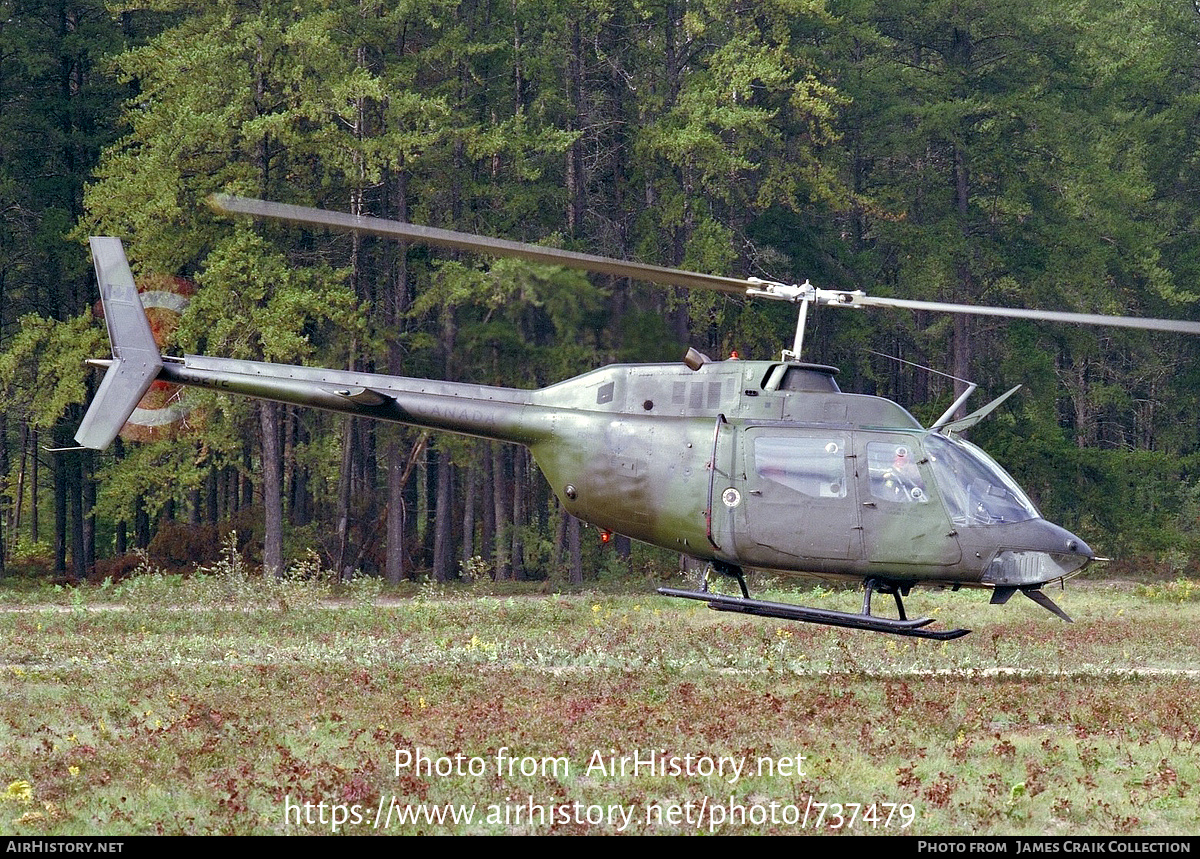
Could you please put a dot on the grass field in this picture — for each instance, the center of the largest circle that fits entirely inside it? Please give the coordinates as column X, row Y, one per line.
column 226, row 704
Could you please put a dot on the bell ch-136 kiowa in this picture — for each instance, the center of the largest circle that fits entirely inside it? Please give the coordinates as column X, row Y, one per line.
column 740, row 464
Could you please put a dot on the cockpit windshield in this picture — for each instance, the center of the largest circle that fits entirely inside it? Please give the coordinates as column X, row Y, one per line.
column 976, row 490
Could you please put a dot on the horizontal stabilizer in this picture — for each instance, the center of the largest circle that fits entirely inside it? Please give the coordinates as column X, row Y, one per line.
column 136, row 360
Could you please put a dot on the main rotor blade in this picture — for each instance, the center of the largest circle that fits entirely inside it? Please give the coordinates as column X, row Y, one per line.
column 479, row 244
column 1177, row 325
column 653, row 273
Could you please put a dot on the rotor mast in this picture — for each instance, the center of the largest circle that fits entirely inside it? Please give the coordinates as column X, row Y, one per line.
column 803, row 294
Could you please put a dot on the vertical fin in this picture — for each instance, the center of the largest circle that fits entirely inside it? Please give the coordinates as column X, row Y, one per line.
column 136, row 359
column 1001, row 594
column 1042, row 599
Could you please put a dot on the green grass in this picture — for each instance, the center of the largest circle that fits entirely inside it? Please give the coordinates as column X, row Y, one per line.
column 207, row 705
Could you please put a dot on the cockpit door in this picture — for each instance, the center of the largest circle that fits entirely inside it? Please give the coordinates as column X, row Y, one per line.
column 904, row 521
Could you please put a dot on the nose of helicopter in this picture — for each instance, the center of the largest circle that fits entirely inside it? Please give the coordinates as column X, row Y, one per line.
column 1074, row 549
column 1037, row 552
column 1077, row 547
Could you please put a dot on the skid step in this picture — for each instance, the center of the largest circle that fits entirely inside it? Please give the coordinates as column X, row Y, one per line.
column 913, row 628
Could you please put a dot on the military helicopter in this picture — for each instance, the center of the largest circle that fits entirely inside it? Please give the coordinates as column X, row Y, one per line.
column 763, row 465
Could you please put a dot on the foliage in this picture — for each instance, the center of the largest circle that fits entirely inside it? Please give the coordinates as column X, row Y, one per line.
column 39, row 369
column 968, row 151
column 1178, row 591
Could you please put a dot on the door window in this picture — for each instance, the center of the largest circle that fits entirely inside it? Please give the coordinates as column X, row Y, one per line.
column 894, row 473
column 815, row 467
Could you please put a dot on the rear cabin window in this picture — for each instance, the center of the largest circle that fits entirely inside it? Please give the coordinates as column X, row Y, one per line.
column 815, row 467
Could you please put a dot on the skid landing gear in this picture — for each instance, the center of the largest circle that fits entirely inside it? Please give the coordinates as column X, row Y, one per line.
column 914, row 628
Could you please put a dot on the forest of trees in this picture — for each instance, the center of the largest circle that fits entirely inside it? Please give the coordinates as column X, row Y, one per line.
column 1029, row 154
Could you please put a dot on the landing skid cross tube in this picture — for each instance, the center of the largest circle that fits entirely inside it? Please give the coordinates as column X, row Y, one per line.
column 788, row 611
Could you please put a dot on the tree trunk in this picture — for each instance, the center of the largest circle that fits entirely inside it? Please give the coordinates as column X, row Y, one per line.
column 518, row 513
column 574, row 538
column 623, row 547
column 247, row 469
column 487, row 541
column 194, row 505
column 394, row 563
column 470, row 492
column 343, row 506
column 422, row 498
column 574, row 178
column 34, row 479
column 141, row 525
column 443, row 523
column 398, row 311
column 211, row 511
column 5, row 500
column 75, row 495
column 15, row 530
column 88, row 497
column 59, row 468
column 272, row 490
column 961, row 322
column 500, row 514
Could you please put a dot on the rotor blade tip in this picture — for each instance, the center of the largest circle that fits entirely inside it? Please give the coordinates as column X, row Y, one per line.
column 230, row 204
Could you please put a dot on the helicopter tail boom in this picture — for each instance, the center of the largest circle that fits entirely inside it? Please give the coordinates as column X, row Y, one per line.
column 477, row 410
column 495, row 413
column 136, row 361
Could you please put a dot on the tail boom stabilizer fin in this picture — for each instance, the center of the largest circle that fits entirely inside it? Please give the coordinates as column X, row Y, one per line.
column 136, row 360
column 1043, row 599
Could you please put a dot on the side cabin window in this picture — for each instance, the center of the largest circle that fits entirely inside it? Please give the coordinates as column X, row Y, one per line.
column 894, row 473
column 815, row 467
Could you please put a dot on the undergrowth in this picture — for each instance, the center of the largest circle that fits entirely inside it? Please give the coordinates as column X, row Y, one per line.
column 127, row 718
column 230, row 582
column 1181, row 590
